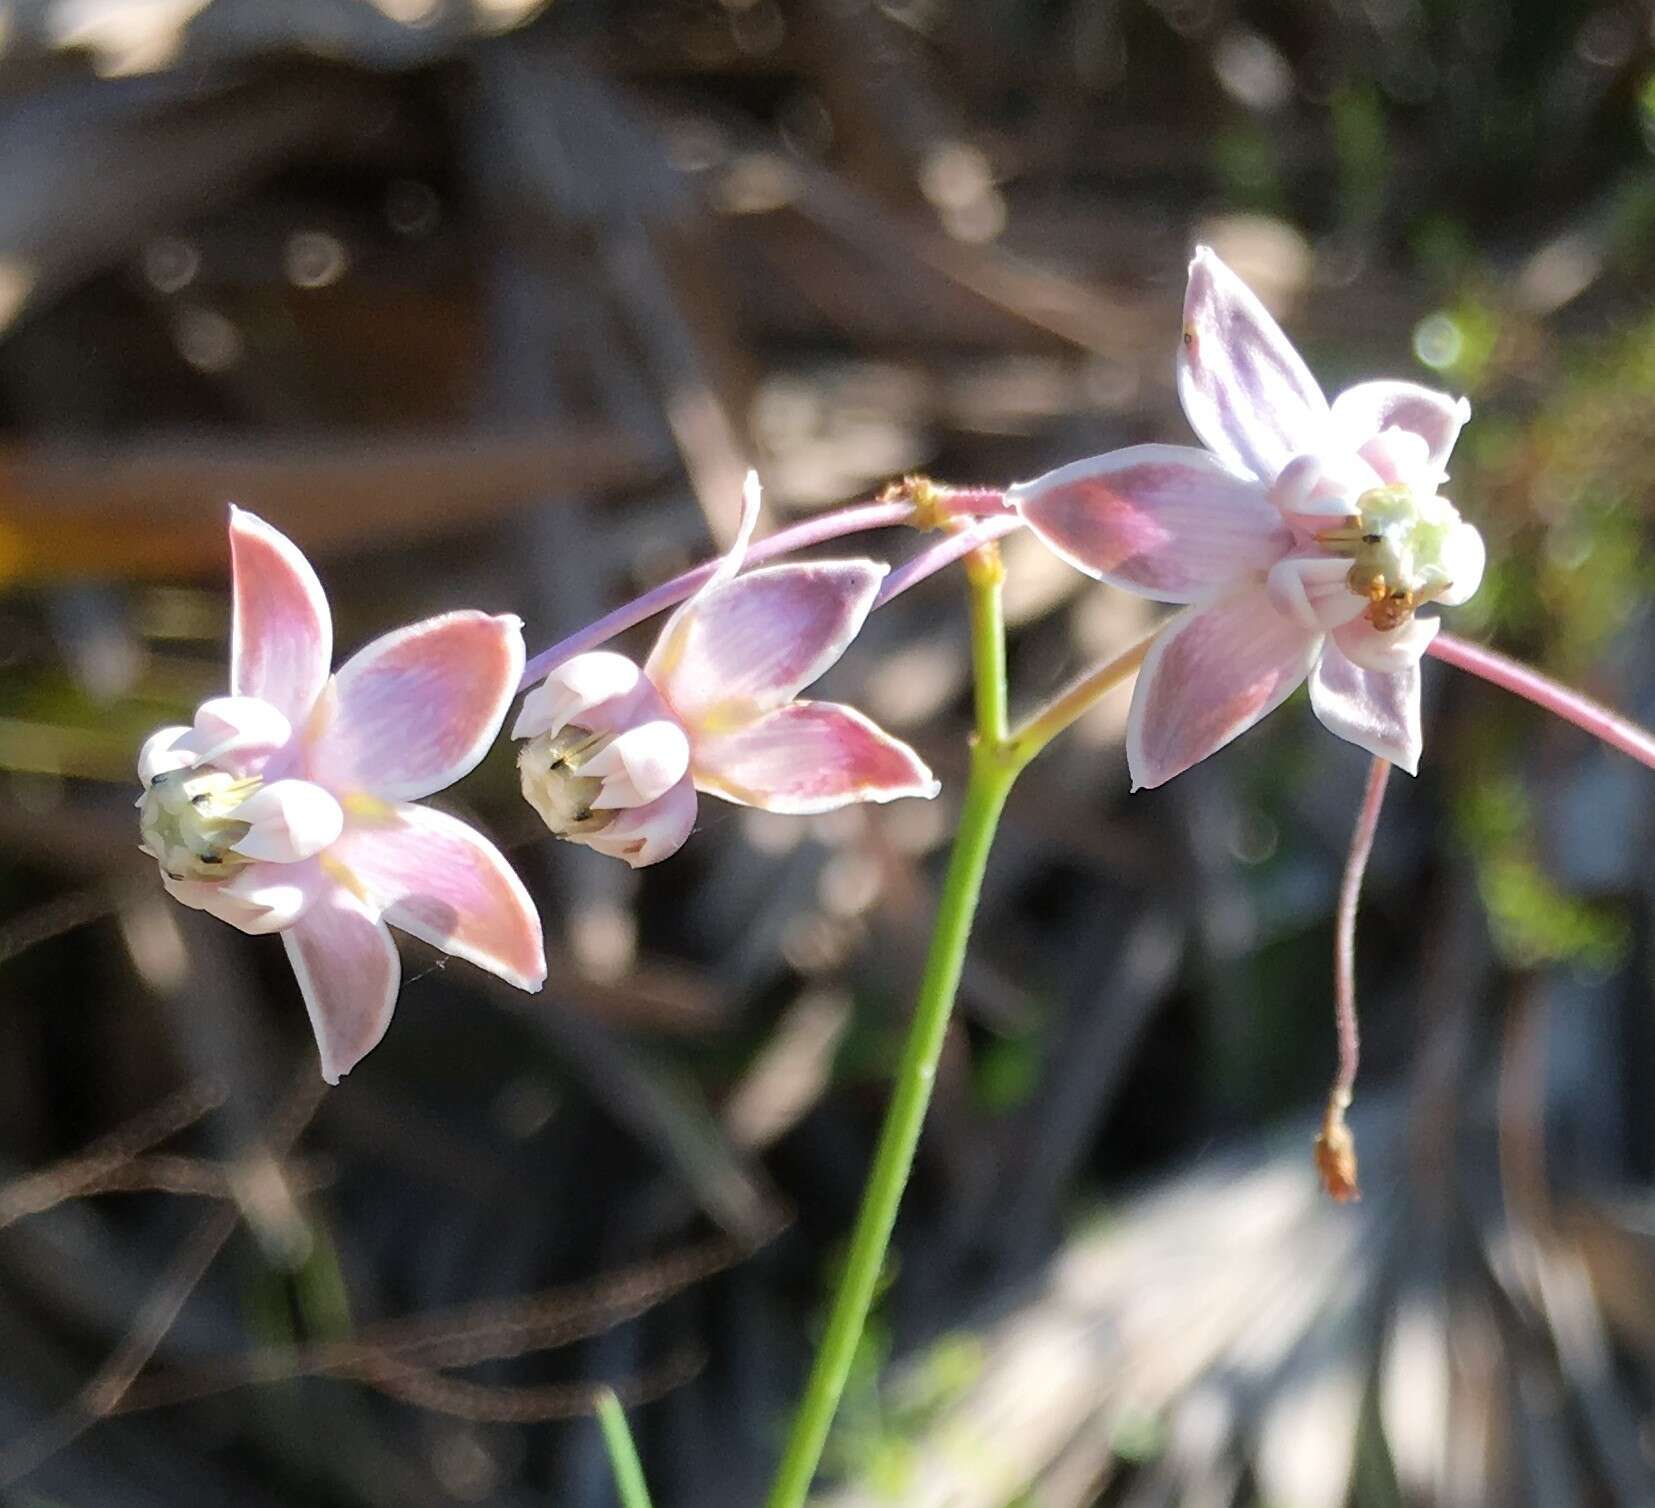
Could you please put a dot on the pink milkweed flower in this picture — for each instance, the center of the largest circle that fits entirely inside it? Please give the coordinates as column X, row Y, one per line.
column 1303, row 538
column 289, row 805
column 615, row 754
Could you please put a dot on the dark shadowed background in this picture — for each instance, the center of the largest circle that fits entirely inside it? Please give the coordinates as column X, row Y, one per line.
column 489, row 304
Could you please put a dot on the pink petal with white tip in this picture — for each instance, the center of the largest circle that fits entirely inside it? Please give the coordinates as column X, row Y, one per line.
column 1361, row 412
column 1212, row 673
column 258, row 899
column 752, row 643
column 417, row 709
column 1314, row 591
column 644, row 835
column 641, row 764
column 446, row 884
column 281, row 634
column 810, row 757
column 1164, row 521
column 1245, row 390
column 1402, row 457
column 578, row 688
column 161, row 755
column 291, row 820
column 1386, row 650
column 1375, row 710
column 348, row 972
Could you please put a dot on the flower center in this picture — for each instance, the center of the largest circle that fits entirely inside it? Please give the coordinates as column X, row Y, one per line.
column 549, row 769
column 187, row 818
column 1396, row 542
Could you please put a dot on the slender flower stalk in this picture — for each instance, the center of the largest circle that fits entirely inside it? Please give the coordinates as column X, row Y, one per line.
column 944, row 553
column 1335, row 1146
column 1524, row 681
column 1078, row 699
column 623, row 1454
column 916, row 502
column 992, row 775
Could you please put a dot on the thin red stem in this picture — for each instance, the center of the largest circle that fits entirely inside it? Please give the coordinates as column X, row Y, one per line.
column 1616, row 731
column 1344, row 943
column 1335, row 1146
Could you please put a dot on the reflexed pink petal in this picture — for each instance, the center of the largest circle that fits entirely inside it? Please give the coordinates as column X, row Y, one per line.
column 1464, row 557
column 281, row 635
column 258, row 899
column 1391, row 650
column 1319, row 488
column 668, row 646
column 443, row 881
column 418, row 708
column 1399, row 455
column 1245, row 390
column 1212, row 673
column 810, row 757
column 644, row 835
column 1374, row 710
column 754, row 642
column 348, row 971
column 292, row 819
column 600, row 682
column 751, row 497
column 1314, row 591
column 1363, row 411
column 160, row 754
column 643, row 762
column 1165, row 521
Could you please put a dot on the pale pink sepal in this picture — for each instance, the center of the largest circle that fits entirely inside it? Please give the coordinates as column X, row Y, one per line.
column 441, row 880
column 644, row 835
column 1375, row 710
column 348, row 972
column 281, row 633
column 1164, row 521
column 291, row 820
column 810, row 757
column 1313, row 590
column 1361, row 412
column 1245, row 390
column 1212, row 673
column 753, row 643
column 258, row 899
column 418, row 708
column 1391, row 650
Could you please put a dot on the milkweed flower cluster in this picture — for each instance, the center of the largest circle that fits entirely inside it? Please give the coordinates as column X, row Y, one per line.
column 614, row 754
column 1303, row 538
column 290, row 805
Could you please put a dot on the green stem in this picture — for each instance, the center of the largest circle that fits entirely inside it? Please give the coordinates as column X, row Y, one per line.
column 623, row 1454
column 992, row 774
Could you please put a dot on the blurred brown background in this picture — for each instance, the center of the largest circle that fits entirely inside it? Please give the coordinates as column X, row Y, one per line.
column 489, row 303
